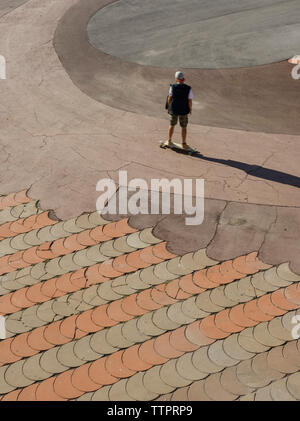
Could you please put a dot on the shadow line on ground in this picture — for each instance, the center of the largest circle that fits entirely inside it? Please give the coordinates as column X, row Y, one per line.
column 253, row 170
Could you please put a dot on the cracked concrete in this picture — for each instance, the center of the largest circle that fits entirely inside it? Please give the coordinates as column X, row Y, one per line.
column 242, row 228
column 282, row 239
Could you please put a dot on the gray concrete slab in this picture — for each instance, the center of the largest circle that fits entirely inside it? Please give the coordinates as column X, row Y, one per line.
column 206, row 34
column 282, row 242
column 242, row 228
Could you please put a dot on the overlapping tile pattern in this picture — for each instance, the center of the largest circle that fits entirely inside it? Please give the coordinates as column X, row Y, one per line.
column 98, row 310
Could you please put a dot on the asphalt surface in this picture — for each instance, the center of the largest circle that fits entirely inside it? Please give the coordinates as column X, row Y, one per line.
column 198, row 33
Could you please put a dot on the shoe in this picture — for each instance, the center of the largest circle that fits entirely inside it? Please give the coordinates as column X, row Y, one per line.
column 170, row 143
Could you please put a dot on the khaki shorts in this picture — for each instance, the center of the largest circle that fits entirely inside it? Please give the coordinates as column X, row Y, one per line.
column 183, row 120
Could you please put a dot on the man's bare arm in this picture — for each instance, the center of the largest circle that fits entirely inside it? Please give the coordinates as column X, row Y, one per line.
column 190, row 105
column 169, row 100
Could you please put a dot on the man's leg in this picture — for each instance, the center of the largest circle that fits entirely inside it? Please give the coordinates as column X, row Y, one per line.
column 183, row 123
column 173, row 122
column 171, row 132
column 183, row 133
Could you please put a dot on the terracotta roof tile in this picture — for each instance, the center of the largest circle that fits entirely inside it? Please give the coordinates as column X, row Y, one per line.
column 134, row 320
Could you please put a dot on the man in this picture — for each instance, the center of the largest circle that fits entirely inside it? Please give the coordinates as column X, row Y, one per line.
column 179, row 106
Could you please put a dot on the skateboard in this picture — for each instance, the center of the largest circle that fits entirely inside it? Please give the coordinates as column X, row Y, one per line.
column 178, row 147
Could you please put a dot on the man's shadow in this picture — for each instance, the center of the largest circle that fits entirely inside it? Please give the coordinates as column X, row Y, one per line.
column 254, row 170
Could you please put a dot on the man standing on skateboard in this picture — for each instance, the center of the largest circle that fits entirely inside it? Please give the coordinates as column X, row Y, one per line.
column 179, row 106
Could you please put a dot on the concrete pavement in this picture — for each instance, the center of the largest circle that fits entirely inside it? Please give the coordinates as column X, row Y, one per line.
column 65, row 124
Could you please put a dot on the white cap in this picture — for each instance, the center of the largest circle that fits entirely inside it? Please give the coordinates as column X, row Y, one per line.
column 179, row 75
